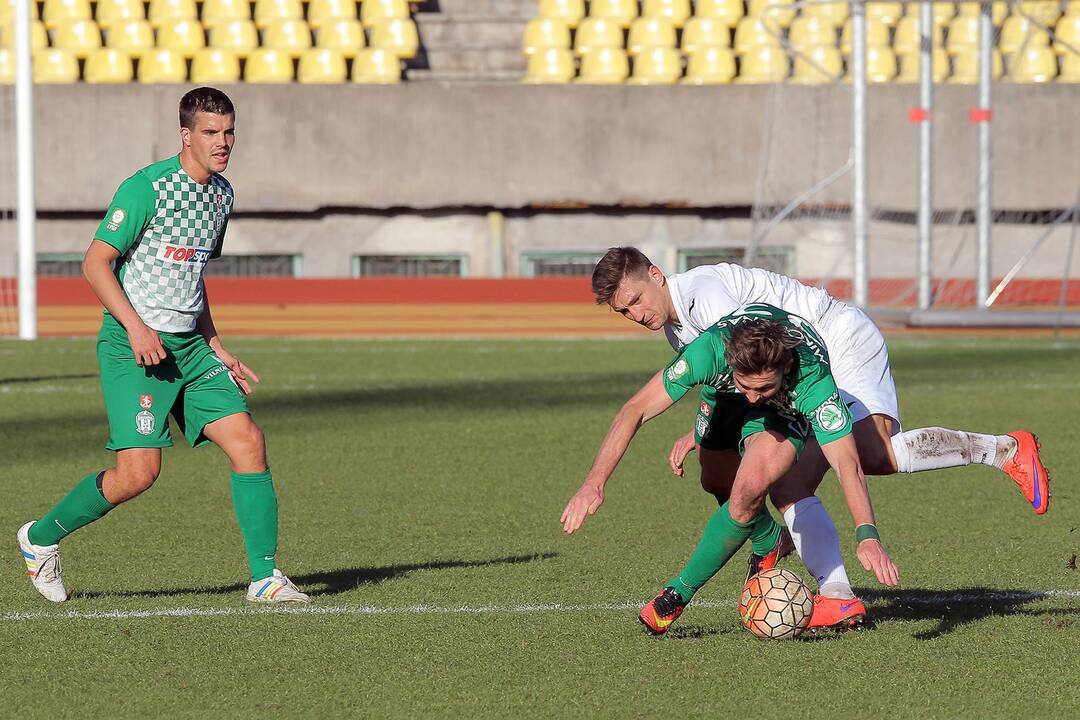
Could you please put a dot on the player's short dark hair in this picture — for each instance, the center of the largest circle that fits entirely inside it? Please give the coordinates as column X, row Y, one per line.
column 203, row 99
column 759, row 346
column 617, row 263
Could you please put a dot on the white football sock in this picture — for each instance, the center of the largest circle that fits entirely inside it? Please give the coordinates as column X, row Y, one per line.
column 818, row 544
column 934, row 448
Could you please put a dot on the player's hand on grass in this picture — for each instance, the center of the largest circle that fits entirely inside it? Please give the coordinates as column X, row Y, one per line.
column 682, row 447
column 586, row 501
column 874, row 558
column 241, row 373
column 146, row 346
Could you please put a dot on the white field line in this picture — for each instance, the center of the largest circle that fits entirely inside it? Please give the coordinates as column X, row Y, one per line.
column 937, row 599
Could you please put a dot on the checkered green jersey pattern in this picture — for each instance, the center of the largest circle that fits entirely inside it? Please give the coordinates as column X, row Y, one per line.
column 166, row 227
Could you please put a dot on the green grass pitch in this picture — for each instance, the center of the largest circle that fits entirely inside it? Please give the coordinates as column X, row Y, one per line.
column 418, row 478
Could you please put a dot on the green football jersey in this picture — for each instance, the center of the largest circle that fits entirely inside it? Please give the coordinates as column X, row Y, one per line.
column 166, row 227
column 808, row 392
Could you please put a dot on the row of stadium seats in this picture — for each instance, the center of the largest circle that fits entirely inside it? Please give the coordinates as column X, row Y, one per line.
column 107, row 65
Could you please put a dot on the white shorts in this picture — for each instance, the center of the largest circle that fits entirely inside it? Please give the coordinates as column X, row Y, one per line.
column 860, row 363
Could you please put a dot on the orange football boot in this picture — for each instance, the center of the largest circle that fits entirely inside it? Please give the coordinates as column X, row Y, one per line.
column 1027, row 470
column 661, row 611
column 756, row 563
column 836, row 614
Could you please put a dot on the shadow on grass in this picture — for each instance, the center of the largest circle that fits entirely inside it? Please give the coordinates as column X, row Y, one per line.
column 330, row 582
column 46, row 378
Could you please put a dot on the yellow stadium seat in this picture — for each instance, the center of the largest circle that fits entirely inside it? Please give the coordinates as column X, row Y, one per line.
column 550, row 66
column 650, row 32
column 39, row 37
column 1067, row 32
column 270, row 11
column 184, row 36
column 604, row 66
column 676, row 11
column 596, row 33
column 751, row 33
column 966, row 66
column 163, row 11
column 54, row 65
column 809, row 31
column 1033, row 65
column 1070, row 68
column 108, row 66
column 570, row 12
column 880, row 64
column 236, row 36
column 763, row 64
column 877, row 34
column 657, row 66
column 376, row 11
column 215, row 12
column 7, row 67
column 214, row 65
column 818, row 65
column 134, row 37
column 726, row 11
column 323, row 11
column 80, row 37
column 344, row 36
column 543, row 33
column 835, row 11
column 909, row 66
column 888, row 13
column 622, row 12
column 999, row 11
column 906, row 39
column 376, row 66
column 963, row 34
column 291, row 36
column 322, row 66
column 162, row 65
column 710, row 66
column 776, row 13
column 943, row 11
column 1072, row 7
column 110, row 12
column 7, row 11
column 1019, row 32
column 268, row 66
column 1045, row 12
column 57, row 11
column 398, row 36
column 703, row 32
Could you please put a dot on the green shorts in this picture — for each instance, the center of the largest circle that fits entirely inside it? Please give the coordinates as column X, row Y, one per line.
column 191, row 384
column 727, row 425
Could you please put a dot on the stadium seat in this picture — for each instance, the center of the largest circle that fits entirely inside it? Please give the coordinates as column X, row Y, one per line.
column 1045, row 12
column 809, row 31
column 1033, row 65
column 323, row 11
column 1019, row 32
column 998, row 13
column 703, row 32
column 888, row 13
column 184, row 36
column 215, row 12
column 7, row 66
column 80, row 37
column 162, row 65
column 376, row 11
column 163, row 11
column 943, row 11
column 376, row 66
column 966, row 67
column 1070, row 68
column 236, row 36
column 543, row 33
column 604, row 66
column 818, row 65
column 729, row 12
column 650, row 32
column 39, row 37
column 909, row 66
column 108, row 66
column 963, row 34
column 1067, row 32
column 54, row 66
column 763, row 64
column 907, row 35
column 595, row 33
column 773, row 12
column 880, row 64
column 570, row 12
column 550, row 66
column 268, row 66
column 657, row 66
column 877, row 34
column 134, row 37
column 322, row 66
column 291, row 36
column 109, row 12
column 57, row 11
column 344, row 36
column 215, row 65
column 622, row 12
column 710, row 66
column 270, row 11
column 835, row 11
column 398, row 36
column 751, row 33
column 677, row 12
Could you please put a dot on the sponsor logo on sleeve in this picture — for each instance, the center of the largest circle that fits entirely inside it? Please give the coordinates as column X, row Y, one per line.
column 830, row 417
column 677, row 370
column 115, row 220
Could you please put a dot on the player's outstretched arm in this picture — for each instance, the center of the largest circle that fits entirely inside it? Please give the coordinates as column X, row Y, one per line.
column 844, row 459
column 647, row 403
column 243, row 375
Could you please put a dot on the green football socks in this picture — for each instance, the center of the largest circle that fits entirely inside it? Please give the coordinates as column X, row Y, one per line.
column 257, row 512
column 722, row 538
column 82, row 506
column 766, row 533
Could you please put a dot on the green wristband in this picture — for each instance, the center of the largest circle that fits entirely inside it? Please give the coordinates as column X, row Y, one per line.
column 866, row 531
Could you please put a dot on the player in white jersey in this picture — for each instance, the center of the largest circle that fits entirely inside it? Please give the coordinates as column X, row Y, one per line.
column 686, row 304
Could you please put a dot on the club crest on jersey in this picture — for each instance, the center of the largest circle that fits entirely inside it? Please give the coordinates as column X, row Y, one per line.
column 146, row 401
column 144, row 423
column 115, row 220
column 677, row 370
column 830, row 417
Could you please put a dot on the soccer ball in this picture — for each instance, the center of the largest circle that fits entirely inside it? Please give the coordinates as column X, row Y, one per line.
column 775, row 604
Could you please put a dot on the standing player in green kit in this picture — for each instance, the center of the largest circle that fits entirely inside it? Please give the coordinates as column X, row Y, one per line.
column 160, row 354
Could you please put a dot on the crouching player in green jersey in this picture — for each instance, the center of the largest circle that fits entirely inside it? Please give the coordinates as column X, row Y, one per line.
column 160, row 354
column 767, row 391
